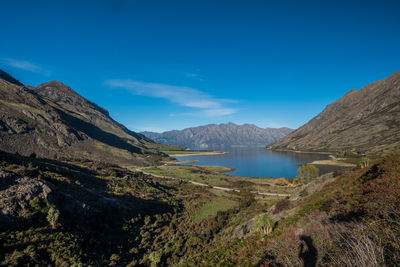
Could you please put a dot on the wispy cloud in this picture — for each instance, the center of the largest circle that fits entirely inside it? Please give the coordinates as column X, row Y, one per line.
column 181, row 95
column 217, row 112
column 24, row 65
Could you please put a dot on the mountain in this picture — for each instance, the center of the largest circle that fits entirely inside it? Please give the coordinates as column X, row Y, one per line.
column 52, row 120
column 79, row 211
column 367, row 120
column 220, row 135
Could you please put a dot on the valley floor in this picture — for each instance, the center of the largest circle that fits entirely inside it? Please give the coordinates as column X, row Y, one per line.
column 72, row 212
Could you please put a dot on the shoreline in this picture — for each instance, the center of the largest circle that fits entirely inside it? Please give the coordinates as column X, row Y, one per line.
column 332, row 162
column 327, row 162
column 186, row 161
column 299, row 151
column 199, row 154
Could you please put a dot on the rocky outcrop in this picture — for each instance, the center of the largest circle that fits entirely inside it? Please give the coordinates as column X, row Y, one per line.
column 17, row 194
column 366, row 120
column 245, row 229
column 220, row 136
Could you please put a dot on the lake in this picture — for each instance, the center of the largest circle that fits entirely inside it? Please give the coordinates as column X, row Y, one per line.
column 259, row 162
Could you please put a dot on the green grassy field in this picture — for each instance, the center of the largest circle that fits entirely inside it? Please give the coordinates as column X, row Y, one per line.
column 214, row 175
column 211, row 208
column 192, row 173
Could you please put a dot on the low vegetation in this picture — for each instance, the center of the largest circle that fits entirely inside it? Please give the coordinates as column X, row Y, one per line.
column 213, row 207
column 92, row 213
column 214, row 176
column 101, row 214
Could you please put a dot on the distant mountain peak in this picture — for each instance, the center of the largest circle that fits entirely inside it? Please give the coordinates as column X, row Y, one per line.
column 215, row 136
column 58, row 91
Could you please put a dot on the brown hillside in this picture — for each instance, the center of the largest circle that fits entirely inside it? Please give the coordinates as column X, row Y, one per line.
column 366, row 120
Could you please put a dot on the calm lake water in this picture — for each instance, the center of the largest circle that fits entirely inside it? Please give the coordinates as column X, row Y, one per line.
column 259, row 162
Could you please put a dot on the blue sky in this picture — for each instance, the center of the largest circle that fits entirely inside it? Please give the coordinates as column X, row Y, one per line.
column 162, row 65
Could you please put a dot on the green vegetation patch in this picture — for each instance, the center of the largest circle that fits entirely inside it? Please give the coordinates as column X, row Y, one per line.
column 212, row 208
column 192, row 173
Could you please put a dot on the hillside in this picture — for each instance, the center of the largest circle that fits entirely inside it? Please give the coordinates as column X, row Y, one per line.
column 366, row 120
column 213, row 136
column 90, row 213
column 71, row 206
column 52, row 120
column 347, row 219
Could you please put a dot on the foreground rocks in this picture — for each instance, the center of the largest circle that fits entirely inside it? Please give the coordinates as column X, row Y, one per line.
column 17, row 194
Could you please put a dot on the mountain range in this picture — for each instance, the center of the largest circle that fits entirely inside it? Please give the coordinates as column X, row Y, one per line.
column 51, row 120
column 213, row 136
column 72, row 192
column 367, row 120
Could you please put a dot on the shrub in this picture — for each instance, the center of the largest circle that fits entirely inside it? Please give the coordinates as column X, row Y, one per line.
column 52, row 217
column 264, row 224
column 281, row 181
column 147, row 220
column 155, row 258
column 114, row 258
column 303, row 193
column 281, row 205
column 364, row 162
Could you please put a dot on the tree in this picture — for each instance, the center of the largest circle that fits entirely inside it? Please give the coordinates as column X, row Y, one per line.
column 264, row 224
column 52, row 217
column 307, row 171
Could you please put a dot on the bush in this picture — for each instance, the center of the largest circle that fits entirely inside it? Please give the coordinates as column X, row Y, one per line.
column 52, row 217
column 264, row 224
column 281, row 205
column 281, row 181
column 155, row 258
column 303, row 193
column 364, row 162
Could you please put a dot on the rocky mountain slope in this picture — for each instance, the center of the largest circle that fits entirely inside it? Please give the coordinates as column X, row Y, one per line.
column 52, row 120
column 367, row 120
column 219, row 136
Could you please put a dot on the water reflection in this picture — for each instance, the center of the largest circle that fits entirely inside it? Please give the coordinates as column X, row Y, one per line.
column 258, row 162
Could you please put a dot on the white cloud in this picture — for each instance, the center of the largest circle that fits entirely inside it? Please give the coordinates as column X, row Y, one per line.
column 183, row 96
column 219, row 112
column 24, row 65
